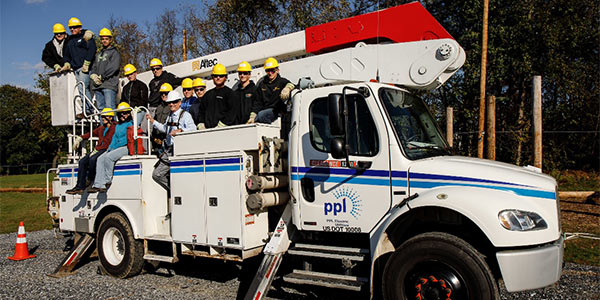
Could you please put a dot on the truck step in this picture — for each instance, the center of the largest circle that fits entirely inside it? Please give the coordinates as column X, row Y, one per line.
column 163, row 258
column 332, row 252
column 352, row 283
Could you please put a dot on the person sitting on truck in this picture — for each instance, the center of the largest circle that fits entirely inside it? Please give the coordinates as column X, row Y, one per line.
column 53, row 51
column 178, row 121
column 135, row 92
column 272, row 94
column 160, row 77
column 87, row 164
column 117, row 149
column 105, row 71
column 78, row 54
column 217, row 107
column 161, row 114
column 199, row 88
column 244, row 93
column 188, row 94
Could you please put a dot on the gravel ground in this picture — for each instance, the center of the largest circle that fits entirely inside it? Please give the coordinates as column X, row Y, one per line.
column 197, row 279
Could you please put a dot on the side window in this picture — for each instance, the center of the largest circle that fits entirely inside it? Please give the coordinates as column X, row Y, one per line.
column 362, row 133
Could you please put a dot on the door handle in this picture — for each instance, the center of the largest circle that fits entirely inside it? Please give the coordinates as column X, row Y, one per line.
column 308, row 189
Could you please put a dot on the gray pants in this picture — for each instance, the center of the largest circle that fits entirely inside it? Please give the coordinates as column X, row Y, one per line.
column 105, row 166
column 162, row 172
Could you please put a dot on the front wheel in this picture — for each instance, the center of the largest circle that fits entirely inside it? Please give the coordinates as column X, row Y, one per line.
column 438, row 265
column 120, row 254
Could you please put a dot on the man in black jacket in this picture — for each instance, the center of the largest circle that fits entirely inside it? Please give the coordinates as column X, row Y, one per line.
column 272, row 94
column 135, row 92
column 244, row 93
column 53, row 52
column 160, row 77
column 217, row 108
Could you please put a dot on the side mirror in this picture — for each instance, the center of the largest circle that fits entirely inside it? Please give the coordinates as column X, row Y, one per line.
column 335, row 105
column 338, row 148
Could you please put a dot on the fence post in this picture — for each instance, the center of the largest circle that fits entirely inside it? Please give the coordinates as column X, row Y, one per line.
column 491, row 128
column 537, row 121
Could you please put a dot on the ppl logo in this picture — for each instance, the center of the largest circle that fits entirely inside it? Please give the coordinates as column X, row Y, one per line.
column 346, row 201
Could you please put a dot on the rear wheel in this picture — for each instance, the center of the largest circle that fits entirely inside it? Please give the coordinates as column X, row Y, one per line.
column 120, row 254
column 438, row 265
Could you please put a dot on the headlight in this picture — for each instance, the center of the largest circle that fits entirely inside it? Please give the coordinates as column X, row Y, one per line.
column 518, row 220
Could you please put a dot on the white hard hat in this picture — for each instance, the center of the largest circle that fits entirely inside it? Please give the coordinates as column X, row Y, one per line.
column 173, row 96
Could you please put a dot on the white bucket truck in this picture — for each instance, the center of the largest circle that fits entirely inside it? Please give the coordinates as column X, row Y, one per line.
column 361, row 194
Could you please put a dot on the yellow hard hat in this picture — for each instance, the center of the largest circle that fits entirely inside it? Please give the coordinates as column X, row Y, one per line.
column 187, row 83
column 271, row 63
column 198, row 82
column 244, row 67
column 124, row 106
column 107, row 111
column 219, row 69
column 128, row 69
column 155, row 62
column 58, row 28
column 165, row 87
column 105, row 32
column 74, row 22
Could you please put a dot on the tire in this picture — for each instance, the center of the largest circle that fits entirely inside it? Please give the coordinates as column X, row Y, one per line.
column 120, row 254
column 436, row 262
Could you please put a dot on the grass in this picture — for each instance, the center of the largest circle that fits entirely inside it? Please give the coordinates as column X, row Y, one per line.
column 24, row 181
column 570, row 180
column 27, row 207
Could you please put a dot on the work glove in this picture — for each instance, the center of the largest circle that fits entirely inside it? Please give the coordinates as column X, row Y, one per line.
column 94, row 152
column 97, row 79
column 88, row 35
column 252, row 118
column 57, row 68
column 201, row 126
column 285, row 92
column 66, row 67
column 86, row 67
column 221, row 124
column 77, row 141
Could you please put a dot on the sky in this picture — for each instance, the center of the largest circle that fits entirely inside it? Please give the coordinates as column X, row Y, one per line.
column 26, row 26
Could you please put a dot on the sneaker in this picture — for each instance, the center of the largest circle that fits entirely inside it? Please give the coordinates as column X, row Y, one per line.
column 75, row 191
column 96, row 190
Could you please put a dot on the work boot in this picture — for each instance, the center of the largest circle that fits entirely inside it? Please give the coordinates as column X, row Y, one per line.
column 75, row 191
column 79, row 116
column 96, row 190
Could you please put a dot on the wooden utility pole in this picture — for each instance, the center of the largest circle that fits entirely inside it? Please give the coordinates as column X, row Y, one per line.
column 537, row 121
column 484, row 37
column 449, row 126
column 491, row 128
column 184, row 45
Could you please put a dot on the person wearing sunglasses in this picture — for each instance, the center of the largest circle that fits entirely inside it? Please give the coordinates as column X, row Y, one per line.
column 244, row 93
column 116, row 149
column 200, row 89
column 272, row 94
column 78, row 54
column 160, row 114
column 188, row 94
column 160, row 76
column 52, row 54
column 217, row 108
column 178, row 121
column 135, row 92
column 105, row 71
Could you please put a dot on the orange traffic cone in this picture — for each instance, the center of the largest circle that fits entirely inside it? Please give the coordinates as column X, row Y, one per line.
column 21, row 250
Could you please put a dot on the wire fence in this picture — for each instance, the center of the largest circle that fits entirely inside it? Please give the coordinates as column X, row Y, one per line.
column 33, row 168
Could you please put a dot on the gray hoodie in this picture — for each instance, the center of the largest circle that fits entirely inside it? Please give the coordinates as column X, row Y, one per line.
column 106, row 64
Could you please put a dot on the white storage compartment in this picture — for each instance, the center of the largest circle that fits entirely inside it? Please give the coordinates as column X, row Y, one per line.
column 62, row 93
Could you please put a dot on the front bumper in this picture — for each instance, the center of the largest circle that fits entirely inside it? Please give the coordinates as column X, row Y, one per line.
column 531, row 268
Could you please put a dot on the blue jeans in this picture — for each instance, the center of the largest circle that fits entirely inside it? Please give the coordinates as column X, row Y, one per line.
column 87, row 169
column 105, row 98
column 85, row 77
column 266, row 116
column 106, row 165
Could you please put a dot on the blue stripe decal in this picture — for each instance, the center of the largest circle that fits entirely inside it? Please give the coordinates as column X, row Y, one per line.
column 518, row 191
column 65, row 175
column 224, row 168
column 348, row 180
column 187, row 163
column 458, row 178
column 124, row 173
column 236, row 160
column 127, row 167
column 187, row 170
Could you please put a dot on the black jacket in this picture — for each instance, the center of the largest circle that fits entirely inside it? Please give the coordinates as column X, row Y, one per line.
column 244, row 98
column 156, row 82
column 50, row 55
column 217, row 105
column 268, row 94
column 195, row 110
column 77, row 50
column 135, row 93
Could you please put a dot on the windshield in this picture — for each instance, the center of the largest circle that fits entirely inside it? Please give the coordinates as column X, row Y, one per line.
column 414, row 127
